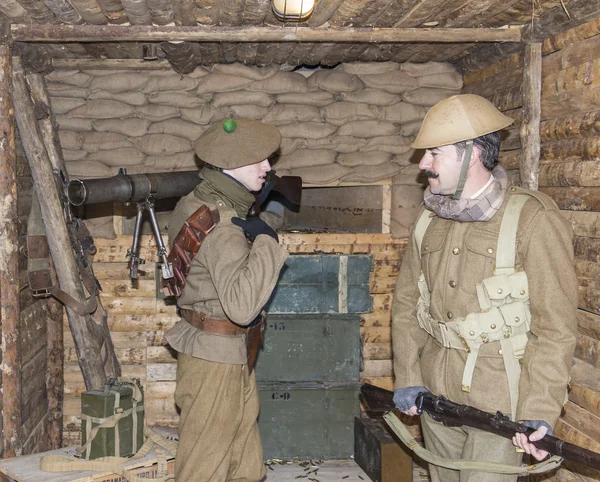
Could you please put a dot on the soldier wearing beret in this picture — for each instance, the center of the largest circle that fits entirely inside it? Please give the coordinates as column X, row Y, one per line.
column 484, row 310
column 227, row 285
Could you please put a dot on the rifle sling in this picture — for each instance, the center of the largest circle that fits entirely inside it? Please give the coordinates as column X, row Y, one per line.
column 407, row 439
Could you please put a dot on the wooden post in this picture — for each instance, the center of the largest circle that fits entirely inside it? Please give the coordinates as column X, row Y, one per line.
column 9, row 266
column 530, row 128
column 85, row 333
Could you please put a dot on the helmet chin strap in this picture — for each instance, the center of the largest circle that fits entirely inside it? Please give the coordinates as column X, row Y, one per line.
column 463, row 171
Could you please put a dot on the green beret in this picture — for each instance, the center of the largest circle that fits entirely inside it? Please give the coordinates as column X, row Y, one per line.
column 238, row 142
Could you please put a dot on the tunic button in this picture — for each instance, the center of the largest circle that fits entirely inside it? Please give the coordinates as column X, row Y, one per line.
column 472, row 333
column 425, row 248
column 456, row 251
column 500, row 352
column 513, row 189
column 493, row 327
column 499, row 291
column 517, row 319
column 452, row 284
column 449, row 315
column 522, row 292
column 490, row 250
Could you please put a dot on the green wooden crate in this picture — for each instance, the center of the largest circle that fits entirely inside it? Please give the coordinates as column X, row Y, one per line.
column 308, row 420
column 328, row 283
column 310, row 348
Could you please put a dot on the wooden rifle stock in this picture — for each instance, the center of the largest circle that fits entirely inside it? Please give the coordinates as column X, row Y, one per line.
column 454, row 414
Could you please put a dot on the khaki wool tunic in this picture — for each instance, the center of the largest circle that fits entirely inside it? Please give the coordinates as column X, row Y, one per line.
column 227, row 280
column 456, row 256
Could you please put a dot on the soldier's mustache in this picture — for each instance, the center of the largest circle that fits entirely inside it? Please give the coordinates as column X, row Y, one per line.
column 431, row 174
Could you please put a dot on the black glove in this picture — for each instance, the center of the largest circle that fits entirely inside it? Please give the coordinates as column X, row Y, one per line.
column 254, row 227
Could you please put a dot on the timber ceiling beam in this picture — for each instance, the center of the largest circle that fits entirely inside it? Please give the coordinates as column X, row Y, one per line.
column 140, row 33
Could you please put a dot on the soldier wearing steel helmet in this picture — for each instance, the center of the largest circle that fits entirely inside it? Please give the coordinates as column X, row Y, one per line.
column 484, row 310
column 227, row 286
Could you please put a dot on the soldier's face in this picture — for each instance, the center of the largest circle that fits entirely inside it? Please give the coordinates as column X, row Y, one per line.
column 442, row 167
column 252, row 176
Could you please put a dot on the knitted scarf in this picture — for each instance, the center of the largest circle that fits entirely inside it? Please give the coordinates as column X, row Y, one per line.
column 481, row 208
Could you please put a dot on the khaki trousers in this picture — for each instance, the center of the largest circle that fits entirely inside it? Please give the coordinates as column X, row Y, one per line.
column 218, row 433
column 471, row 444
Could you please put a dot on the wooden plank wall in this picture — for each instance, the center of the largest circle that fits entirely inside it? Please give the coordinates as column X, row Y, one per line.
column 569, row 167
column 138, row 320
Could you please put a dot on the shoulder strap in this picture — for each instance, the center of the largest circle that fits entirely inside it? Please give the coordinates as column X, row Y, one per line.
column 507, row 238
column 421, row 227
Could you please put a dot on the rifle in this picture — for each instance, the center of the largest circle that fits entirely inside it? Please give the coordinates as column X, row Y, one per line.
column 145, row 189
column 454, row 414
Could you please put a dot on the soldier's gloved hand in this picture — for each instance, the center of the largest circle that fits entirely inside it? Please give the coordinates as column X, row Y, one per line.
column 254, row 227
column 404, row 398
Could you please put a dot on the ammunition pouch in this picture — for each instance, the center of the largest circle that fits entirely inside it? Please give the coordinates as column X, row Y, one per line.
column 186, row 245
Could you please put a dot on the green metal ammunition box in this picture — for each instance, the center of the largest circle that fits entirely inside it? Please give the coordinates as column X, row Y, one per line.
column 117, row 399
column 308, row 420
column 310, row 348
column 328, row 283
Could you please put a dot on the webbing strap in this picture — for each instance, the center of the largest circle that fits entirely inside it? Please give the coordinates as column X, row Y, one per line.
column 421, row 227
column 463, row 170
column 460, row 464
column 507, row 239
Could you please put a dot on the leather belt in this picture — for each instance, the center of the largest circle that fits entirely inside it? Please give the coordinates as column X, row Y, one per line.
column 212, row 325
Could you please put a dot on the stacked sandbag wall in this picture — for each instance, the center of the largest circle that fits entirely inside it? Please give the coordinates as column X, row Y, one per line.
column 354, row 123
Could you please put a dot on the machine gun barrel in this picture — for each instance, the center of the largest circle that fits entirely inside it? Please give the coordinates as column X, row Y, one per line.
column 133, row 188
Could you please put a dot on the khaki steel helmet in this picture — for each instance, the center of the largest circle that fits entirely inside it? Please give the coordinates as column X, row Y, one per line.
column 459, row 118
column 238, row 142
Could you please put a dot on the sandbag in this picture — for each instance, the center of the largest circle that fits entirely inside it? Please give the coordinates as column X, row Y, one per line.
column 123, row 157
column 100, row 226
column 156, row 113
column 401, row 112
column 448, row 80
column 87, row 169
column 427, row 68
column 336, row 143
column 304, row 158
column 56, row 89
column 182, row 161
column 70, row 139
column 410, row 175
column 62, row 105
column 371, row 97
column 177, row 127
column 372, row 173
column 280, row 83
column 132, row 98
column 248, row 111
column 321, row 174
column 102, row 109
column 394, row 82
column 129, row 127
column 241, row 70
column 307, row 130
column 221, row 83
column 120, row 82
column 98, row 141
column 77, row 79
column 74, row 154
column 340, row 113
column 172, row 82
column 199, row 115
column 285, row 114
column 261, row 99
column 368, row 68
column 198, row 73
column 392, row 144
column 354, row 159
column 411, row 156
column 411, row 129
column 58, row 75
column 319, row 98
column 368, row 128
column 334, row 81
column 155, row 144
column 289, row 145
column 426, row 96
column 177, row 99
column 70, row 124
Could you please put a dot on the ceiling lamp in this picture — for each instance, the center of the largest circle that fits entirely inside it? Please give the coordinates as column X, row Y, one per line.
column 293, row 10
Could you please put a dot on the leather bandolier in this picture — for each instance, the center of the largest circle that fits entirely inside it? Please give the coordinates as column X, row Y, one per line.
column 184, row 249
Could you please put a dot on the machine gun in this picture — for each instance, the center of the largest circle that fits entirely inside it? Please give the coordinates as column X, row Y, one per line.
column 454, row 415
column 145, row 189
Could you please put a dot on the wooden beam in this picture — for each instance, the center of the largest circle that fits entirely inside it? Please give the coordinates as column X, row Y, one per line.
column 9, row 266
column 139, row 33
column 83, row 328
column 530, row 127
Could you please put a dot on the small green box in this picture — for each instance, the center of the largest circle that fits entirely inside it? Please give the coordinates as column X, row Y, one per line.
column 308, row 420
column 118, row 399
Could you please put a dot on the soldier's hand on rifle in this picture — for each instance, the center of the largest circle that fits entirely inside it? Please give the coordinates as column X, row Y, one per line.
column 522, row 441
column 254, row 227
column 404, row 399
